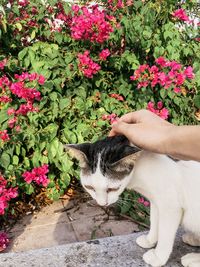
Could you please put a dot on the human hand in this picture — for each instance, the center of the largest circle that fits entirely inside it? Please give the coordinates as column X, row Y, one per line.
column 145, row 130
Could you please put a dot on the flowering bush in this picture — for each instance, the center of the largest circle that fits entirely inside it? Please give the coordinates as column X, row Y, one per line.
column 68, row 71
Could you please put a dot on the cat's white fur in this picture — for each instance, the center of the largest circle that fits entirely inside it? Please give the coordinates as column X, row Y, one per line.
column 173, row 189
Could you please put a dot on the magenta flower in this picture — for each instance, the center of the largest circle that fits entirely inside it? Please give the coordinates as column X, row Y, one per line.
column 41, row 80
column 159, row 110
column 38, row 175
column 189, row 73
column 92, row 25
column 11, row 111
column 4, row 136
column 3, row 63
column 141, row 200
column 87, row 66
column 181, row 14
column 111, row 118
column 166, row 74
column 3, row 241
column 11, row 122
column 6, row 194
column 104, row 54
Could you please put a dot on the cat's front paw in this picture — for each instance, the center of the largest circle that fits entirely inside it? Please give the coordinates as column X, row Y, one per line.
column 191, row 260
column 191, row 239
column 152, row 259
column 143, row 242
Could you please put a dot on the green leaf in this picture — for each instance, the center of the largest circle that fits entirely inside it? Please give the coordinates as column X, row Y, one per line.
column 5, row 160
column 15, row 160
column 29, row 189
column 33, row 34
column 22, row 53
column 197, row 101
column 19, row 26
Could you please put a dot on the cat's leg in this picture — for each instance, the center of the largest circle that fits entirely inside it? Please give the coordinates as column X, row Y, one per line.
column 191, row 260
column 191, row 239
column 168, row 222
column 150, row 240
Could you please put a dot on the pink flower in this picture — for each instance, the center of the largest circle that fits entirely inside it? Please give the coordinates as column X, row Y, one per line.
column 111, row 118
column 92, row 25
column 87, row 66
column 11, row 122
column 6, row 194
column 164, row 113
column 161, row 61
column 4, row 136
column 18, row 128
column 117, row 96
column 75, row 8
column 180, row 78
column 5, row 99
column 41, row 80
column 3, row 241
column 144, row 202
column 38, row 175
column 25, row 108
column 181, row 14
column 104, row 54
column 3, row 63
column 11, row 111
column 177, row 89
column 189, row 72
column 23, row 3
column 160, row 110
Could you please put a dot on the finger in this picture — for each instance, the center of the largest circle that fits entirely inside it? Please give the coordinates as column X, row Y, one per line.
column 119, row 127
column 112, row 133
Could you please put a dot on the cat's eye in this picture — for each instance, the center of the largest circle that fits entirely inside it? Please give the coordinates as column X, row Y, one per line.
column 89, row 187
column 112, row 189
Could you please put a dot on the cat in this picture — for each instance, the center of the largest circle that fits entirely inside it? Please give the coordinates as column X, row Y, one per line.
column 111, row 165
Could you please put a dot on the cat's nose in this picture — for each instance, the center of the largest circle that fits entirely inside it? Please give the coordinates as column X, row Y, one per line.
column 102, row 203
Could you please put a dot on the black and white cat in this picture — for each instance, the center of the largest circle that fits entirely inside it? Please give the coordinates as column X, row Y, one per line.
column 173, row 188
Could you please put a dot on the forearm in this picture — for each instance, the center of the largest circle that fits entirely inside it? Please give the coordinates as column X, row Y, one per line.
column 184, row 142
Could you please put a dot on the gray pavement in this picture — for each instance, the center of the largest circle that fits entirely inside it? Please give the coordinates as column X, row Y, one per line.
column 117, row 251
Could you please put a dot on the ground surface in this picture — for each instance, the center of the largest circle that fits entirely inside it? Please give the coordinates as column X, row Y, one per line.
column 66, row 221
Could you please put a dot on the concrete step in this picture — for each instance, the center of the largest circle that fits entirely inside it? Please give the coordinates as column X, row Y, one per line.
column 117, row 251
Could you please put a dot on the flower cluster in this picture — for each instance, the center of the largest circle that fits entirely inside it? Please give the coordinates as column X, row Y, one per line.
column 23, row 3
column 4, row 136
column 19, row 89
column 119, row 4
column 87, row 66
column 141, row 200
column 3, row 241
column 111, row 118
column 166, row 74
column 117, row 96
column 181, row 15
column 90, row 24
column 6, row 194
column 104, row 54
column 37, row 175
column 159, row 110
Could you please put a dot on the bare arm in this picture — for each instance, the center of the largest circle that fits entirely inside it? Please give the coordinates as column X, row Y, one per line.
column 150, row 132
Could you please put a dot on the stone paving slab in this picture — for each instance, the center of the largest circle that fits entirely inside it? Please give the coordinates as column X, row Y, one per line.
column 117, row 251
column 59, row 224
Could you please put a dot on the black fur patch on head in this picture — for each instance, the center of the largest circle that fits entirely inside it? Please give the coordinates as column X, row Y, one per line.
column 111, row 149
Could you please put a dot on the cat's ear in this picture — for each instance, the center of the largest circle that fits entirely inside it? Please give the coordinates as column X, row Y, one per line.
column 126, row 160
column 80, row 152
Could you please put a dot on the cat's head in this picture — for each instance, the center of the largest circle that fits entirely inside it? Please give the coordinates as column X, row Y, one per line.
column 106, row 166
